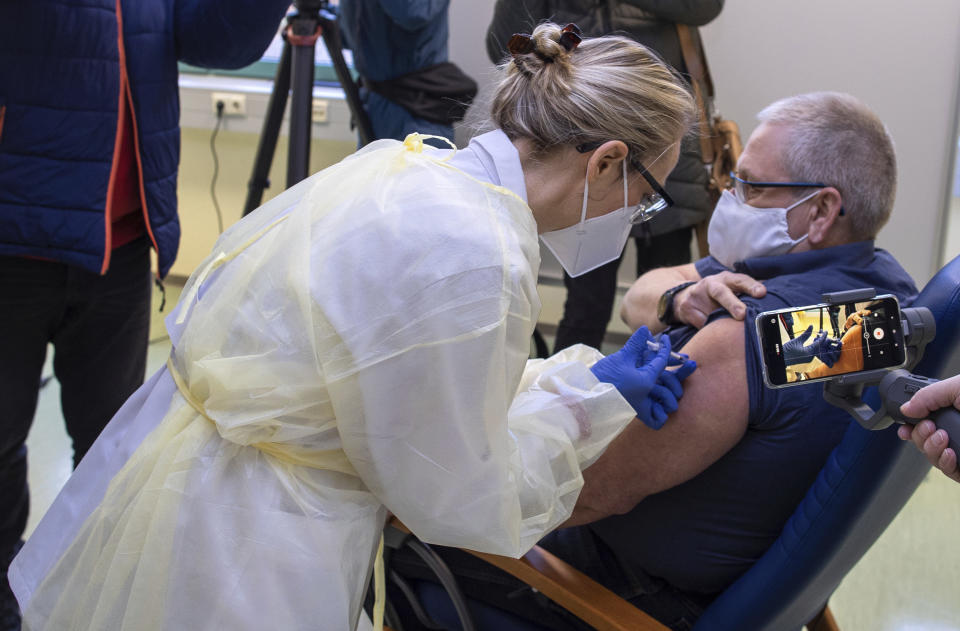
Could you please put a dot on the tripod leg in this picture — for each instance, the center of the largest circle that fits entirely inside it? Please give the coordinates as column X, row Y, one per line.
column 259, row 179
column 301, row 111
column 331, row 38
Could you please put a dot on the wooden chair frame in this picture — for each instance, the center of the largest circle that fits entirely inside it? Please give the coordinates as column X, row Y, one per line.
column 585, row 598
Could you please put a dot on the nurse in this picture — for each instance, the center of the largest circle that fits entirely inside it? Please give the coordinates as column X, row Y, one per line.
column 359, row 344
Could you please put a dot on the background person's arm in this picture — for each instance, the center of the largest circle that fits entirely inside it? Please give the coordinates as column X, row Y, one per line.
column 693, row 12
column 413, row 14
column 711, row 419
column 225, row 33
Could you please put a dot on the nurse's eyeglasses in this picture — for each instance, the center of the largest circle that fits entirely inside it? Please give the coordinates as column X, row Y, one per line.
column 651, row 204
column 742, row 187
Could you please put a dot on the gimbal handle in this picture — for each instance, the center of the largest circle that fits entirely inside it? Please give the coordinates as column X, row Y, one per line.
column 899, row 386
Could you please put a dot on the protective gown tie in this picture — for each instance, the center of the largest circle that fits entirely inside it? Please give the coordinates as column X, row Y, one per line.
column 328, row 460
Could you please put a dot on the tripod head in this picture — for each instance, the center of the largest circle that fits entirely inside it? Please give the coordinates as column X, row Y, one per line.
column 309, row 18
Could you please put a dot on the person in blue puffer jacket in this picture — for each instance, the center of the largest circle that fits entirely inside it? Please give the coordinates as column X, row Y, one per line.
column 389, row 39
column 89, row 149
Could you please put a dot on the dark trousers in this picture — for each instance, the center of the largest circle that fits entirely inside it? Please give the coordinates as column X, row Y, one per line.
column 98, row 326
column 590, row 297
column 486, row 586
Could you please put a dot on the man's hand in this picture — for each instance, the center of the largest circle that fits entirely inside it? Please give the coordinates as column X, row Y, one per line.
column 694, row 304
column 932, row 442
column 856, row 318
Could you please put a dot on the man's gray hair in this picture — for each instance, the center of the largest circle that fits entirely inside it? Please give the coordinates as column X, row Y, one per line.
column 835, row 139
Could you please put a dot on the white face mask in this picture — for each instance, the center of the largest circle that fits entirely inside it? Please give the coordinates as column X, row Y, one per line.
column 592, row 242
column 739, row 231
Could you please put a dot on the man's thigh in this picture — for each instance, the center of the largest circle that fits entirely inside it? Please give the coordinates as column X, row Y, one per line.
column 580, row 548
column 482, row 584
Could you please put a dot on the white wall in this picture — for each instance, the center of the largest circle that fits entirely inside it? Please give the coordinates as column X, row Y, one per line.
column 902, row 59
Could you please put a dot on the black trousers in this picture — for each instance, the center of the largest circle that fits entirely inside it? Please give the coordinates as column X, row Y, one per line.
column 99, row 328
column 485, row 585
column 590, row 297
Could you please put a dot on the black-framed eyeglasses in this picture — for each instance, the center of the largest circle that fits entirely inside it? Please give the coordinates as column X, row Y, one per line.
column 651, row 204
column 742, row 186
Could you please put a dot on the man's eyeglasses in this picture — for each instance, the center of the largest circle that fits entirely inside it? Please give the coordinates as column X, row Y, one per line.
column 742, row 187
column 651, row 204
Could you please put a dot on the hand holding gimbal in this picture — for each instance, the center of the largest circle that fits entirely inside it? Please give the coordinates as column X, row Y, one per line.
column 899, row 386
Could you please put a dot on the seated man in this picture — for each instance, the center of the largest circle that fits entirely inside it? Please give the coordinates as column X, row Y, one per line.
column 669, row 518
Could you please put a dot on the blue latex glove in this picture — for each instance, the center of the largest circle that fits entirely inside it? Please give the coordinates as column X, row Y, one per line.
column 827, row 349
column 670, row 379
column 824, row 348
column 673, row 379
column 794, row 352
column 634, row 370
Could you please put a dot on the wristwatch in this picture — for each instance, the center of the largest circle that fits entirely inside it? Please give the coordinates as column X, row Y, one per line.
column 665, row 305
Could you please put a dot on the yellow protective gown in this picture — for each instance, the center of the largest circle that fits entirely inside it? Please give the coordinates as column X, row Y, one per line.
column 360, row 348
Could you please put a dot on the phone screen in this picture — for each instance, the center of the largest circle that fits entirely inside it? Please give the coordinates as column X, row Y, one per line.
column 822, row 341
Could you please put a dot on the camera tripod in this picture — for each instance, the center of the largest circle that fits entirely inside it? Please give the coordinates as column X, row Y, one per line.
column 311, row 20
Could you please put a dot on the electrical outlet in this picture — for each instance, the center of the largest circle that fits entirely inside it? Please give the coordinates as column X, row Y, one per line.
column 319, row 111
column 233, row 104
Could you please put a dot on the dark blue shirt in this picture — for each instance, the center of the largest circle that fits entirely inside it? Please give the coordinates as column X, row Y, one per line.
column 701, row 535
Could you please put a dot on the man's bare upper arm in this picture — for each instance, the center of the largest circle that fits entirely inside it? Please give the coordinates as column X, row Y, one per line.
column 711, row 419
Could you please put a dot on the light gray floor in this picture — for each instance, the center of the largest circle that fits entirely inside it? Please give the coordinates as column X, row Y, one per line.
column 908, row 581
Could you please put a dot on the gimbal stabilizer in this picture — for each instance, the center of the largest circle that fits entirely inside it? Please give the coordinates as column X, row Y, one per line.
column 896, row 387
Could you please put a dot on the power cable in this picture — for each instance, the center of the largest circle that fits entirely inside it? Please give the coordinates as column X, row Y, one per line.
column 216, row 165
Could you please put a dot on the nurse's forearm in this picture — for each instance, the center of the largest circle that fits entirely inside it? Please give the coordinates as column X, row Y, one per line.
column 639, row 305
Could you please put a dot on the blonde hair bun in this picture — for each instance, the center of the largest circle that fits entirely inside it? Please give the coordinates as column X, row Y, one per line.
column 559, row 90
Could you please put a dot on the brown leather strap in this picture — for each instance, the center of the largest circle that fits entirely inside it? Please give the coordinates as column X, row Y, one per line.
column 696, row 63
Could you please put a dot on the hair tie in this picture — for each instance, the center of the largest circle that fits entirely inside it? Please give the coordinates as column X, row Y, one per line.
column 570, row 37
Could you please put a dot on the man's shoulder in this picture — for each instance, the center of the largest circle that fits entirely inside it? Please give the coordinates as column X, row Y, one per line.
column 879, row 271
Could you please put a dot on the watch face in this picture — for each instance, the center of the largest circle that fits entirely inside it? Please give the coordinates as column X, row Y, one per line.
column 662, row 304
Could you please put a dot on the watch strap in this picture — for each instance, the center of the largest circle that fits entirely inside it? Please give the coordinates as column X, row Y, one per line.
column 666, row 314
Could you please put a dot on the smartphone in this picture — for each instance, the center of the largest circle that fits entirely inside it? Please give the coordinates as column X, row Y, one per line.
column 819, row 342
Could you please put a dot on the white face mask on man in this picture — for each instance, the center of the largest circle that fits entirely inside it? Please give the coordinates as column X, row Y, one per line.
column 587, row 245
column 739, row 231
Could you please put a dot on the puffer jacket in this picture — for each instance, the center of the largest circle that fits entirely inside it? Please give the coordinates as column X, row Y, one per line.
column 61, row 64
column 650, row 22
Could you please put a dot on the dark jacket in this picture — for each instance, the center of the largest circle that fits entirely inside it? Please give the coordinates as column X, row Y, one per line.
column 650, row 22
column 391, row 38
column 61, row 63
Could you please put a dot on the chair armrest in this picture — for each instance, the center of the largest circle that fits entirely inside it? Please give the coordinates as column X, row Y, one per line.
column 571, row 589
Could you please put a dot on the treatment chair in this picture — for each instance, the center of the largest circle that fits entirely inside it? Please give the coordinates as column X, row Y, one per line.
column 865, row 482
